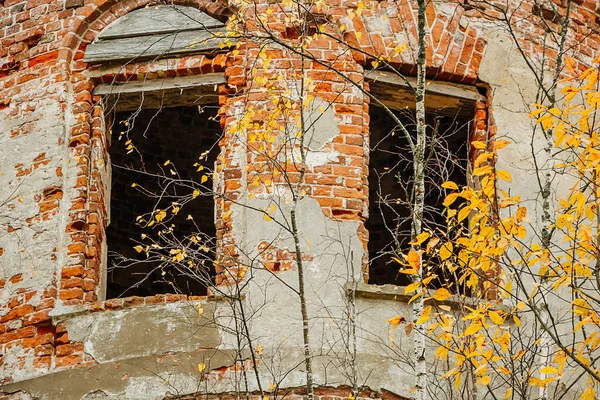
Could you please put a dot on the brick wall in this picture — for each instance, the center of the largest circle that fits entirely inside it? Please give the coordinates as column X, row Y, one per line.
column 54, row 142
column 320, row 392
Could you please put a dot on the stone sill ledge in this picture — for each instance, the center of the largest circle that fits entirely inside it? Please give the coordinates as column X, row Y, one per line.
column 65, row 312
column 396, row 293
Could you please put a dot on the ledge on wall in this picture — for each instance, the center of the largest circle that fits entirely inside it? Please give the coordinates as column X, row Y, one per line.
column 158, row 93
column 396, row 293
column 446, row 98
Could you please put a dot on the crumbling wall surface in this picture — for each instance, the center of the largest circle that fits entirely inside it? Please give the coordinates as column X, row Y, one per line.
column 53, row 177
column 53, row 181
column 32, row 200
column 139, row 349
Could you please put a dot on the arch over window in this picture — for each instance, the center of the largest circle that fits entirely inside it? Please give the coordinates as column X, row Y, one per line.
column 157, row 32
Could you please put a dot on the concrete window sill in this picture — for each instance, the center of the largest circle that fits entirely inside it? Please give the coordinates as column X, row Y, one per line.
column 396, row 293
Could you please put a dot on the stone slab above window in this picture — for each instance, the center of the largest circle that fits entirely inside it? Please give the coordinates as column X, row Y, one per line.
column 158, row 32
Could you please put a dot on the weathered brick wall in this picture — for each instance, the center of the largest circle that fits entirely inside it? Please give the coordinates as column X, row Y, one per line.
column 321, row 393
column 53, row 138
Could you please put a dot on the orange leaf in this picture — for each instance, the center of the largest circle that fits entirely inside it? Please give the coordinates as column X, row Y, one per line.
column 397, row 320
column 414, row 259
column 521, row 214
column 441, row 294
column 420, row 238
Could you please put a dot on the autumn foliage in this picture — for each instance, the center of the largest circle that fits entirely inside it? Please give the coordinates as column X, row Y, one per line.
column 527, row 293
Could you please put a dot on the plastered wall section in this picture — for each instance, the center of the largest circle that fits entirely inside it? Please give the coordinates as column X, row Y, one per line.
column 44, row 163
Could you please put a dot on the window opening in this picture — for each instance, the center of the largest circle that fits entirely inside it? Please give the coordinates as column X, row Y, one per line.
column 143, row 181
column 390, row 185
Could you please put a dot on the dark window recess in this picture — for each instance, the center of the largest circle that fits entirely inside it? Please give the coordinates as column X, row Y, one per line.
column 391, row 182
column 179, row 135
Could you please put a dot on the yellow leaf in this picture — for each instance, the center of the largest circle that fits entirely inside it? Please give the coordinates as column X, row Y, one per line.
column 482, row 170
column 397, row 320
column 267, row 217
column 507, row 289
column 412, row 287
column 441, row 353
column 203, row 179
column 508, row 394
column 496, row 318
column 463, row 213
column 138, row 249
column 167, row 163
column 424, row 316
column 416, row 296
column 504, row 370
column 485, row 380
column 178, row 255
column 195, row 193
column 446, row 251
column 442, row 294
column 537, row 111
column 478, row 144
column 450, row 185
column 409, row 271
column 504, row 175
column 472, row 329
column 500, row 144
column 548, row 370
column 414, row 259
column 420, row 238
column 555, row 111
column 517, row 321
column 201, row 367
column 590, row 212
column 160, row 215
column 450, row 199
column 588, row 394
column 521, row 214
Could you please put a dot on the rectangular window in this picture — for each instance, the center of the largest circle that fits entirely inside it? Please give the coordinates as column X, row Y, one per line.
column 449, row 117
column 391, row 184
column 155, row 157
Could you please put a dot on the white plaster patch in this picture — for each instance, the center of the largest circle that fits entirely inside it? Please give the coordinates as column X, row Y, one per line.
column 317, row 158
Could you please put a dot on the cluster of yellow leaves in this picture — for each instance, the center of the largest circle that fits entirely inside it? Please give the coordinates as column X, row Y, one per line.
column 496, row 233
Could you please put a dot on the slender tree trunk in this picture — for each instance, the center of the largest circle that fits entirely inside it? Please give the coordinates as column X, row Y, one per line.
column 420, row 330
column 545, row 341
column 296, row 194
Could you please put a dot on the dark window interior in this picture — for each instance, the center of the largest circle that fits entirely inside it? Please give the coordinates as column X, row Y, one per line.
column 179, row 135
column 390, row 187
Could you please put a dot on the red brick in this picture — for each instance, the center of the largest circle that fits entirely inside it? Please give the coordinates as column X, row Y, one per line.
column 69, row 360
column 71, row 283
column 67, row 294
column 38, row 340
column 42, row 362
column 17, row 312
column 71, row 272
column 17, row 334
column 65, row 350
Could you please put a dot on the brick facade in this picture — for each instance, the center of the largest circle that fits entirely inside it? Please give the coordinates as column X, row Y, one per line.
column 41, row 71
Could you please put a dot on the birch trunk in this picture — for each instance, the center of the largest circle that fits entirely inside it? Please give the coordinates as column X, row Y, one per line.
column 420, row 330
